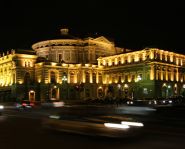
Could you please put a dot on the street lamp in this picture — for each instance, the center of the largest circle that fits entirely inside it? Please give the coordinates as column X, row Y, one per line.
column 136, row 86
column 119, row 86
column 64, row 78
column 65, row 86
column 139, row 78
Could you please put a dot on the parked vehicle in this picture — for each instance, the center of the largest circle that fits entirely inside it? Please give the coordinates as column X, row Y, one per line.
column 24, row 104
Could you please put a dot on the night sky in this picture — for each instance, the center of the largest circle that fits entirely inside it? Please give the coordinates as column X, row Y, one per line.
column 131, row 24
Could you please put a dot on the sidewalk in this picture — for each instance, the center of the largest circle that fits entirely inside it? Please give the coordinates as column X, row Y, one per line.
column 7, row 103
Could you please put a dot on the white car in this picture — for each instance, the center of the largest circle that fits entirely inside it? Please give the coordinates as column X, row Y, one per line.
column 105, row 126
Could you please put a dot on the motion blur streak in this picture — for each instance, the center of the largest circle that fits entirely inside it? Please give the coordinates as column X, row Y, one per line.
column 1, row 107
column 112, row 125
column 132, row 123
column 54, row 116
column 138, row 110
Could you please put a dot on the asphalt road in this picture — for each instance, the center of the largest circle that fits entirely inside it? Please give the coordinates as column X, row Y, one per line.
column 23, row 130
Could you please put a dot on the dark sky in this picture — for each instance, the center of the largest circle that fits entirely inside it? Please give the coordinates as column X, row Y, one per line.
column 132, row 24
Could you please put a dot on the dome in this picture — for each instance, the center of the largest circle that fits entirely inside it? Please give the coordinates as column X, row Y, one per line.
column 64, row 39
column 71, row 50
column 65, row 34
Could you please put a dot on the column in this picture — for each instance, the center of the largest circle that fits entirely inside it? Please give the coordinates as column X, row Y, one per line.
column 83, row 76
column 172, row 74
column 75, row 77
column 68, row 77
column 152, row 72
column 177, row 75
column 166, row 73
column 91, row 79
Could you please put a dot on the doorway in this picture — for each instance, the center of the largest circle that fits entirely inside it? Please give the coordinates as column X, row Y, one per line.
column 31, row 95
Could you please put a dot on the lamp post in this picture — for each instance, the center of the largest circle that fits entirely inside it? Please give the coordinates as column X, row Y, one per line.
column 64, row 81
column 136, row 87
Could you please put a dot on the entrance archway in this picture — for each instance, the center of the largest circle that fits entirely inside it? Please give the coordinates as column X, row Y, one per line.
column 31, row 95
column 55, row 93
column 100, row 93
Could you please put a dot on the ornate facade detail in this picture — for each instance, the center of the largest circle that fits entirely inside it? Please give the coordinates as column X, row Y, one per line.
column 73, row 68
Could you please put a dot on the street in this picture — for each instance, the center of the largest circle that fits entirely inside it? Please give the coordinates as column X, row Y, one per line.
column 23, row 129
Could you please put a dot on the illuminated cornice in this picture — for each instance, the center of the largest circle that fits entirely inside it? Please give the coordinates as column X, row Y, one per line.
column 160, row 63
column 147, row 51
column 57, row 42
column 26, row 56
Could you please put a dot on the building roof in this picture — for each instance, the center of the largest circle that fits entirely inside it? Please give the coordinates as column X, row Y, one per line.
column 24, row 51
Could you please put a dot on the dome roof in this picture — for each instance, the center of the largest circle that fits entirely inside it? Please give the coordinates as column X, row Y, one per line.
column 65, row 34
column 64, row 39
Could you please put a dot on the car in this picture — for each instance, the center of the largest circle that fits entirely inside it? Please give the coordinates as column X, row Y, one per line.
column 136, row 102
column 152, row 102
column 52, row 103
column 24, row 104
column 1, row 109
column 98, row 125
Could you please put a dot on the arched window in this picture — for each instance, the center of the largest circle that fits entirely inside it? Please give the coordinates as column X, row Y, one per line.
column 94, row 77
column 60, row 58
column 52, row 77
column 100, row 78
column 132, row 78
column 126, row 78
column 87, row 77
column 72, row 77
column 27, row 78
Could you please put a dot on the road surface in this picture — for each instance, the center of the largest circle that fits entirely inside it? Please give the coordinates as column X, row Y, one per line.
column 23, row 130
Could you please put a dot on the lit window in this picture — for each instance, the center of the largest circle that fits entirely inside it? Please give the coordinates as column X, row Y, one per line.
column 25, row 64
column 52, row 77
column 87, row 77
column 94, row 77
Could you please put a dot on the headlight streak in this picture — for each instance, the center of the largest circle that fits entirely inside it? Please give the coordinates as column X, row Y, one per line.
column 113, row 125
column 54, row 116
column 137, row 124
column 1, row 107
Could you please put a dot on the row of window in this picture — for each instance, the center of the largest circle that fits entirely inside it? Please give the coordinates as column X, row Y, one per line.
column 136, row 58
column 27, row 64
column 72, row 78
column 127, row 78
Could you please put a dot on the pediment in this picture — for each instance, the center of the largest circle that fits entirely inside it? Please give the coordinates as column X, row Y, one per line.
column 103, row 39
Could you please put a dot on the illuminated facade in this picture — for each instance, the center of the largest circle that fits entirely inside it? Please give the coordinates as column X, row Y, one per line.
column 17, row 72
column 144, row 74
column 71, row 68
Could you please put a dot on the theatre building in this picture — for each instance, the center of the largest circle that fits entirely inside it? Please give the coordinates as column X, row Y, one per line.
column 72, row 68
